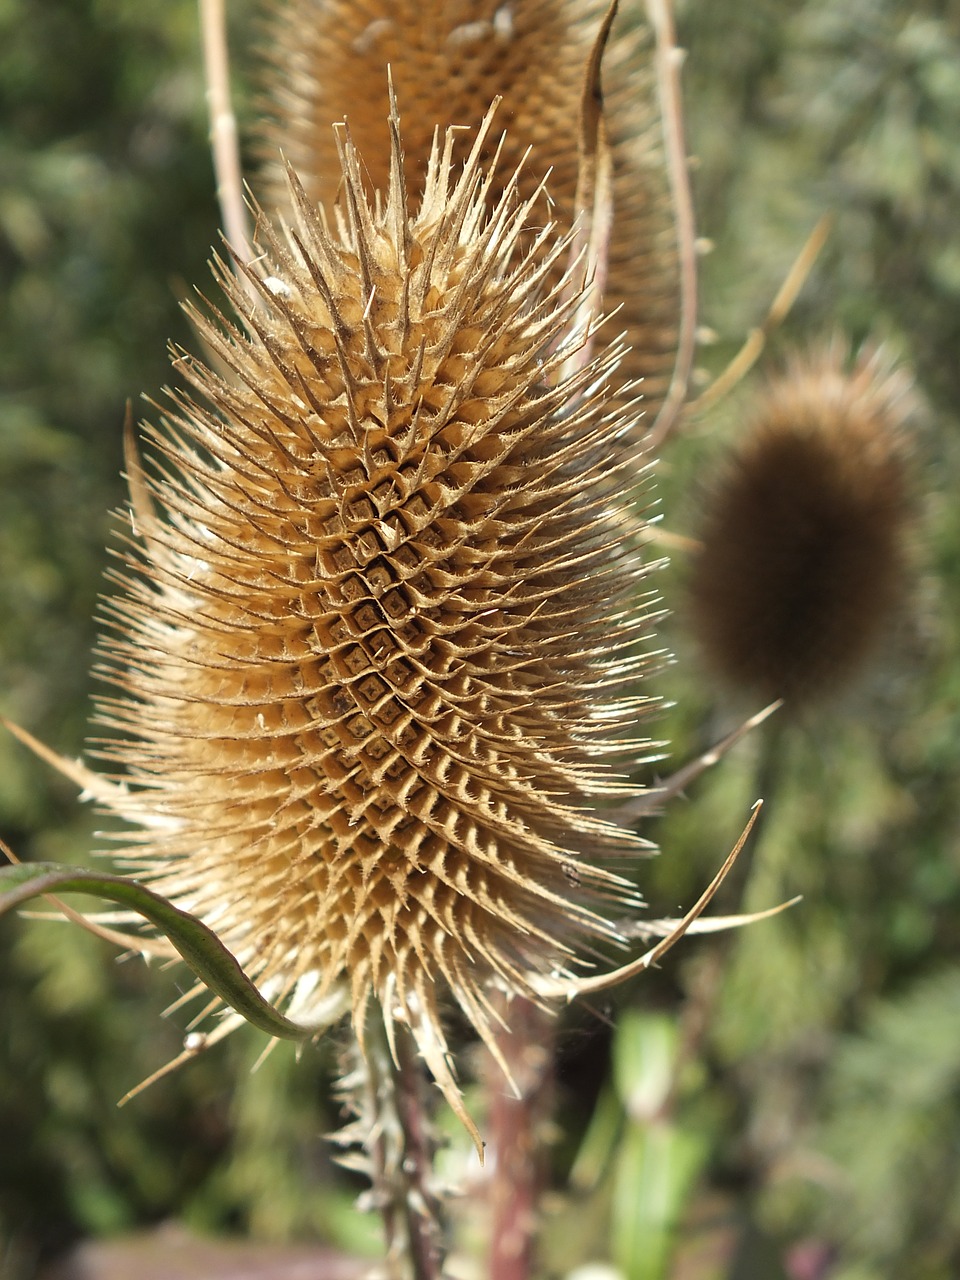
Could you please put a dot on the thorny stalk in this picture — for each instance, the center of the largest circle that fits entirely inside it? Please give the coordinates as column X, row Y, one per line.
column 385, row 1091
column 421, row 1206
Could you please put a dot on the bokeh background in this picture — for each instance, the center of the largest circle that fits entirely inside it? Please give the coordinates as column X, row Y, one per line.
column 778, row 1104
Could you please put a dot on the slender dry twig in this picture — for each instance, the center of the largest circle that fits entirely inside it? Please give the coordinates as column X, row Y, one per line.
column 669, row 61
column 757, row 338
column 224, row 141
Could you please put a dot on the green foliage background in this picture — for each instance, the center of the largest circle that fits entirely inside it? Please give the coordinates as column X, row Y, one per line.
column 817, row 1057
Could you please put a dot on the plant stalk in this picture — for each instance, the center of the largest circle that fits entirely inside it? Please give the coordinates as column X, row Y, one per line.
column 386, row 1095
column 517, row 1140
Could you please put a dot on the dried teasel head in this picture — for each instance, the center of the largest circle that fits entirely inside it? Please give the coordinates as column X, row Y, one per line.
column 379, row 620
column 448, row 62
column 803, row 557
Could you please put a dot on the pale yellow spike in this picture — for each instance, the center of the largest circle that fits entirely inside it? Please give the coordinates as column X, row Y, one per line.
column 94, row 786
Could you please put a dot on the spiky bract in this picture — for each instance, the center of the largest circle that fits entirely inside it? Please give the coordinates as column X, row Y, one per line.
column 803, row 540
column 449, row 61
column 373, row 658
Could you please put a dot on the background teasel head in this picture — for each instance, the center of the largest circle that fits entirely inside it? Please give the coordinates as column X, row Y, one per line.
column 448, row 62
column 803, row 553
column 374, row 659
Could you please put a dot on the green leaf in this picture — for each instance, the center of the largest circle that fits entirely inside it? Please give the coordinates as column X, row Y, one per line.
column 200, row 947
column 644, row 1062
column 656, row 1169
column 599, row 1143
column 658, row 1159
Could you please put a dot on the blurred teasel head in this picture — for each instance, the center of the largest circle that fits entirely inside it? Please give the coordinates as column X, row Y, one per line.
column 378, row 638
column 803, row 541
column 449, row 62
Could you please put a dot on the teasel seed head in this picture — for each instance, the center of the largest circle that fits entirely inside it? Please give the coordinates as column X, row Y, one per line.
column 378, row 637
column 803, row 557
column 448, row 63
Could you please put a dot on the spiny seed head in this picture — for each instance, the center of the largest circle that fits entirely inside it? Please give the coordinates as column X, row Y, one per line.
column 449, row 61
column 379, row 614
column 803, row 547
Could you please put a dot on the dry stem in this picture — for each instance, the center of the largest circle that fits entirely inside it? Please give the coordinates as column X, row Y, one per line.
column 517, row 1141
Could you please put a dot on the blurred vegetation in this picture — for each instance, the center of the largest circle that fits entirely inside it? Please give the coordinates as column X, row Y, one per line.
column 805, row 1120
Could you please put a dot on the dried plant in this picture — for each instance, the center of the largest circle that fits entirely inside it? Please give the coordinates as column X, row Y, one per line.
column 383, row 606
column 804, row 539
column 370, row 667
column 378, row 636
column 449, row 61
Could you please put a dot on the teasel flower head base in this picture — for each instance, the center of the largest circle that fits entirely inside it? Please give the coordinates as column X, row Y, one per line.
column 378, row 628
column 803, row 558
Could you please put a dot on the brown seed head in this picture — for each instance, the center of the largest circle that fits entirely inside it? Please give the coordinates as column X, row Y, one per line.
column 449, row 61
column 372, row 649
column 803, row 539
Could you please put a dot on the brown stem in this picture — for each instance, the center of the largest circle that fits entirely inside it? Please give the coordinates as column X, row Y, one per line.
column 420, row 1204
column 385, row 1096
column 517, row 1144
